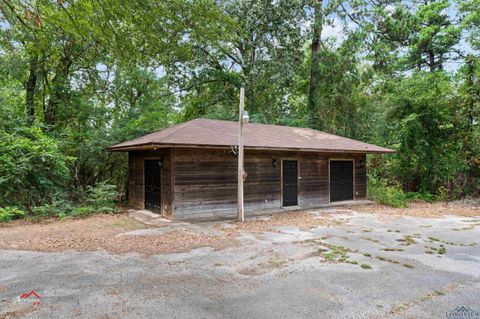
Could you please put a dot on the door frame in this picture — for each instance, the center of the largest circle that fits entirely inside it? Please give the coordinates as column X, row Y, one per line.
column 345, row 159
column 153, row 158
column 281, row 179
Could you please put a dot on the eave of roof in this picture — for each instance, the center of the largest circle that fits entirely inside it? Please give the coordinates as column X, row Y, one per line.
column 203, row 133
column 155, row 146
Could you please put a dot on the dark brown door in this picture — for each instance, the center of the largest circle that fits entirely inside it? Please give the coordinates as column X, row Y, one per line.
column 290, row 183
column 341, row 180
column 152, row 171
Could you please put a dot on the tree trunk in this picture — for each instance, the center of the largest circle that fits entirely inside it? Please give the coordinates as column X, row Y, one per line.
column 471, row 93
column 469, row 111
column 313, row 97
column 431, row 58
column 58, row 92
column 30, row 87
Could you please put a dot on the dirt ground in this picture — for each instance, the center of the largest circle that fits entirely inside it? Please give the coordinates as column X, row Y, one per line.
column 99, row 233
column 303, row 220
column 423, row 209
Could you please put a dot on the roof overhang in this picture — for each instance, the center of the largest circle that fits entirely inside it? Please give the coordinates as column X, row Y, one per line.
column 155, row 146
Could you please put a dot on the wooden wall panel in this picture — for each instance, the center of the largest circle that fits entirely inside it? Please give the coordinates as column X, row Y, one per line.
column 206, row 180
column 313, row 180
column 199, row 182
column 360, row 177
column 135, row 180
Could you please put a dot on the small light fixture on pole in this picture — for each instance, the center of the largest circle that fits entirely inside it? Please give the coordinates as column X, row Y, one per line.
column 245, row 117
column 242, row 118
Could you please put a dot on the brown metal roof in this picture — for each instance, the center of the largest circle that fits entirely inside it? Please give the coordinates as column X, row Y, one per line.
column 215, row 133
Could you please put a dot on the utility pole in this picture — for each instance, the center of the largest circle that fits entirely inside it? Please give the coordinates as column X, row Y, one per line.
column 243, row 116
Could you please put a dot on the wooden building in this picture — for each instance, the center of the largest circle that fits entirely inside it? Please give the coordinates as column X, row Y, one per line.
column 190, row 170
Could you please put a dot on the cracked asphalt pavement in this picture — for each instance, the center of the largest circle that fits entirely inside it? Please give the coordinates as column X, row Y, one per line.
column 364, row 266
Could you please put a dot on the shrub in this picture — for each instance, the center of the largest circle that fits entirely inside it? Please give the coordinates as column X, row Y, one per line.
column 422, row 196
column 31, row 167
column 59, row 206
column 102, row 197
column 83, row 211
column 442, row 194
column 11, row 213
column 381, row 192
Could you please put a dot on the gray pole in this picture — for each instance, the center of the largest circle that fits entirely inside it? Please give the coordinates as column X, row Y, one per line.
column 241, row 216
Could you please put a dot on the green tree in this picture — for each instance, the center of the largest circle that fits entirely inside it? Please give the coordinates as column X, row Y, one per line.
column 435, row 36
column 263, row 54
column 32, row 168
column 470, row 9
column 422, row 116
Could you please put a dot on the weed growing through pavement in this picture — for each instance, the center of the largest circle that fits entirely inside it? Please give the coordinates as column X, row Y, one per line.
column 466, row 227
column 382, row 258
column 433, row 239
column 371, row 239
column 392, row 249
column 338, row 254
column 407, row 240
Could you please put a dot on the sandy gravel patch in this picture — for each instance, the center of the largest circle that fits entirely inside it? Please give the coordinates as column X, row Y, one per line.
column 109, row 224
column 422, row 209
column 98, row 233
column 303, row 220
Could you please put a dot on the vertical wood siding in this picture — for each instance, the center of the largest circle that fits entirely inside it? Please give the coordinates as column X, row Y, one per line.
column 135, row 180
column 198, row 182
column 205, row 180
column 313, row 180
column 360, row 177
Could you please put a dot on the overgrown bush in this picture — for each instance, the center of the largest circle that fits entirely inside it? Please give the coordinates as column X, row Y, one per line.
column 11, row 213
column 393, row 195
column 84, row 211
column 102, row 197
column 383, row 193
column 58, row 207
column 424, row 196
column 31, row 167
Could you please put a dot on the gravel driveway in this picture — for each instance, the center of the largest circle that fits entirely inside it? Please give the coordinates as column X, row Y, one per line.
column 356, row 265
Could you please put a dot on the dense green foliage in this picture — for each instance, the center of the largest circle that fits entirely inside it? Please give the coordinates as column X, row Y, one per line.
column 387, row 194
column 76, row 77
column 10, row 213
column 30, row 160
